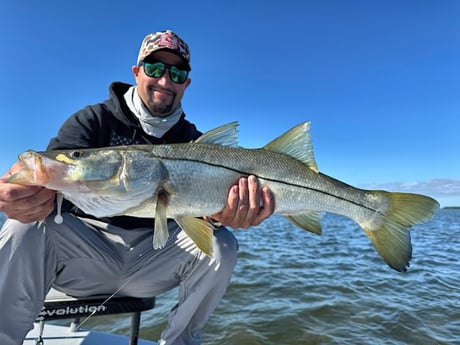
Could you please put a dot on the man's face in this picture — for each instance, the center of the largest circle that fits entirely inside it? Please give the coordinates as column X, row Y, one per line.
column 160, row 95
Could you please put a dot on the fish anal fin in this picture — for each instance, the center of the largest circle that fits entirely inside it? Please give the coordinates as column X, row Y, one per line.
column 307, row 221
column 296, row 143
column 199, row 231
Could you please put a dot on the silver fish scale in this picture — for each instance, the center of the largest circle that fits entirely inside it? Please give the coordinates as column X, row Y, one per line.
column 296, row 187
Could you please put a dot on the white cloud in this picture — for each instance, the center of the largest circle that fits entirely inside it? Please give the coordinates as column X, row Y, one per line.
column 436, row 187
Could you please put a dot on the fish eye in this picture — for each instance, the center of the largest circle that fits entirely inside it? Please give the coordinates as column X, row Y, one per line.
column 76, row 154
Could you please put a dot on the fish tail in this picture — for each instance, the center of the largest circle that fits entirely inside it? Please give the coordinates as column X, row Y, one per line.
column 392, row 237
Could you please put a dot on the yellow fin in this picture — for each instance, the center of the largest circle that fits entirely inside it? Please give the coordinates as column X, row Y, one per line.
column 308, row 221
column 392, row 238
column 200, row 232
column 225, row 135
column 296, row 143
column 161, row 232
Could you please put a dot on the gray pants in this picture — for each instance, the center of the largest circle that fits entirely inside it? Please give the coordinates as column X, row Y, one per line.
column 86, row 257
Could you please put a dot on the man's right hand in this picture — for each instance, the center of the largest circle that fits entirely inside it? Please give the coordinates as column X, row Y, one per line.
column 25, row 203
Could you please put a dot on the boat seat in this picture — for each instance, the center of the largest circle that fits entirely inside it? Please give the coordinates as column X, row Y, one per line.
column 58, row 305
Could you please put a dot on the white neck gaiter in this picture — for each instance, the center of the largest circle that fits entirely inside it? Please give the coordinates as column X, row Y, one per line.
column 154, row 126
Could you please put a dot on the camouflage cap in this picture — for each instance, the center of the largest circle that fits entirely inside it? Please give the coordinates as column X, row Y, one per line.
column 164, row 40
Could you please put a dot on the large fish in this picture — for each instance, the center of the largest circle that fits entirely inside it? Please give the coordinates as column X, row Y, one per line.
column 191, row 180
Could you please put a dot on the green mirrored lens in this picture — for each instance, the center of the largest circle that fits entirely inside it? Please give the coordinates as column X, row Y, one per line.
column 157, row 69
column 177, row 75
column 154, row 70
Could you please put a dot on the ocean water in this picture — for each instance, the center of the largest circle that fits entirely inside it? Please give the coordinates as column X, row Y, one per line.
column 293, row 287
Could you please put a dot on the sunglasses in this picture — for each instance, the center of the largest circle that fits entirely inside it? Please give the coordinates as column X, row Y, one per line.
column 158, row 68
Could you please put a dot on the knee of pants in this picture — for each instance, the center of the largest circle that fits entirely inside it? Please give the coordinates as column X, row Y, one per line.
column 226, row 246
column 20, row 234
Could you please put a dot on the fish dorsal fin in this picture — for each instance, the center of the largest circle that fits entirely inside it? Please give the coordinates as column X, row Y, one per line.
column 296, row 143
column 226, row 135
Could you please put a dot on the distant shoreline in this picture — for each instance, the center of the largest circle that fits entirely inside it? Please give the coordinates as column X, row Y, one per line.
column 451, row 208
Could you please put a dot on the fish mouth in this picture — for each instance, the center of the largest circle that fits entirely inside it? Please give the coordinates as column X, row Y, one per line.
column 38, row 169
column 33, row 168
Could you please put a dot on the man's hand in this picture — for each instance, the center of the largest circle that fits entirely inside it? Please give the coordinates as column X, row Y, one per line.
column 24, row 203
column 247, row 204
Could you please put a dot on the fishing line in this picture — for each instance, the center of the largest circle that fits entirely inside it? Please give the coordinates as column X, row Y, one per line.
column 58, row 219
column 105, row 301
column 136, row 242
column 40, row 341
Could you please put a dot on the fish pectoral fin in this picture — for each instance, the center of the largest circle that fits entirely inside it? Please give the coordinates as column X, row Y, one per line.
column 308, row 221
column 161, row 232
column 199, row 231
column 106, row 184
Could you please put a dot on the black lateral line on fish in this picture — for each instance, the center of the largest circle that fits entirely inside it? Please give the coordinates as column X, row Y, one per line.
column 272, row 180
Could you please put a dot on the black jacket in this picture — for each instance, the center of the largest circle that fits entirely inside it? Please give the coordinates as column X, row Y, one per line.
column 111, row 123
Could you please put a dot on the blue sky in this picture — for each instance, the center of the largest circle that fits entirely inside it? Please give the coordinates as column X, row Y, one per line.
column 379, row 80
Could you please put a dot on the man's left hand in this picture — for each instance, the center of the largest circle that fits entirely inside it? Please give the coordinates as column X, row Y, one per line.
column 247, row 204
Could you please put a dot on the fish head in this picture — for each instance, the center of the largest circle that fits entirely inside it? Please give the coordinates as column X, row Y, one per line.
column 64, row 169
column 32, row 172
column 81, row 167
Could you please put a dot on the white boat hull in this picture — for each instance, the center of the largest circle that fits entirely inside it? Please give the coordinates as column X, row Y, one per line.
column 62, row 335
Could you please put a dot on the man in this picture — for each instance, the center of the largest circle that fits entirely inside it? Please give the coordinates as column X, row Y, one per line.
column 85, row 256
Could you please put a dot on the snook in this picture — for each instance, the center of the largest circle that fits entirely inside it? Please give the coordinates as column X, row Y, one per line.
column 185, row 181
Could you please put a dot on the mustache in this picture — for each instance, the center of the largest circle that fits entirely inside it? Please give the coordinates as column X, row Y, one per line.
column 171, row 91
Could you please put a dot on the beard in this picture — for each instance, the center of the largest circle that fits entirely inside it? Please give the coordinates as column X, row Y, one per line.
column 162, row 105
column 162, row 108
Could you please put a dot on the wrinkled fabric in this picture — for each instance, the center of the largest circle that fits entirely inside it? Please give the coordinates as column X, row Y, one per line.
column 83, row 257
